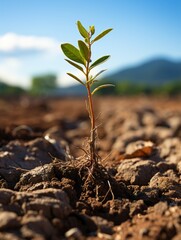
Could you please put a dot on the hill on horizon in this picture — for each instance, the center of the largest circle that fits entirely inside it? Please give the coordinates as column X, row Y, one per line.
column 156, row 71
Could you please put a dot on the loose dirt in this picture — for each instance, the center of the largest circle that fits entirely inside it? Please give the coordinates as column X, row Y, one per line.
column 48, row 190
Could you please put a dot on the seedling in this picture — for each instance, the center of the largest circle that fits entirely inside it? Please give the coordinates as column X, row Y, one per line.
column 81, row 58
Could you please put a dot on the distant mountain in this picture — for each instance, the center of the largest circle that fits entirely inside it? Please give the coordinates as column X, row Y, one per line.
column 156, row 71
column 73, row 90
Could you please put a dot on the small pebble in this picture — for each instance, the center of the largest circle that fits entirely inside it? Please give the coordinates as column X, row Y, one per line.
column 74, row 234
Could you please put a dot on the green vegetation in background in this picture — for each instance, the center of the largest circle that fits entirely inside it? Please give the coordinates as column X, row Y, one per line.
column 169, row 89
column 127, row 88
column 6, row 89
column 43, row 84
column 122, row 88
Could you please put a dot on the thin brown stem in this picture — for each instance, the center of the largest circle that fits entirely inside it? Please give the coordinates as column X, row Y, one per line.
column 93, row 154
column 93, row 129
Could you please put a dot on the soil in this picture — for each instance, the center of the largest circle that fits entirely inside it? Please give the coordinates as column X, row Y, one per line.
column 48, row 190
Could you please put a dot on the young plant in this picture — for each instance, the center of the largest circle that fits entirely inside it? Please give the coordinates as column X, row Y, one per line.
column 81, row 58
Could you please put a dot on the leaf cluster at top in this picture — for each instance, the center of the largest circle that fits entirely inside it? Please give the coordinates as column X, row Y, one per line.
column 80, row 57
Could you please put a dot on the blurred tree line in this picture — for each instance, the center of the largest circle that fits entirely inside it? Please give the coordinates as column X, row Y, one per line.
column 40, row 85
column 6, row 89
column 47, row 83
column 43, row 84
column 127, row 88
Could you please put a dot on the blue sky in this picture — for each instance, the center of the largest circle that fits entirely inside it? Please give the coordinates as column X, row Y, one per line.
column 31, row 33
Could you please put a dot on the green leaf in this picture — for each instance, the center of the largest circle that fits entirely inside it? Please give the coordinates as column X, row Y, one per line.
column 76, row 78
column 83, row 50
column 92, row 30
column 72, row 53
column 102, row 34
column 75, row 65
column 99, row 61
column 98, row 74
column 82, row 30
column 92, row 81
column 102, row 86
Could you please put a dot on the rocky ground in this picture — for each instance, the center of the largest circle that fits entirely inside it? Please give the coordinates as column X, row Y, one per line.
column 47, row 190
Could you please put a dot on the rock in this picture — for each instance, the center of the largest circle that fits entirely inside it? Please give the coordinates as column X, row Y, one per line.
column 177, row 237
column 149, row 119
column 10, row 236
column 167, row 185
column 136, row 171
column 132, row 122
column 118, row 211
column 161, row 207
column 55, row 136
column 164, row 224
column 126, row 138
column 6, row 195
column 170, row 150
column 38, row 174
column 179, row 167
column 49, row 207
column 28, row 155
column 165, row 166
column 174, row 122
column 137, row 207
column 74, row 234
column 148, row 195
column 36, row 226
column 163, row 132
column 162, row 182
column 16, row 158
column 8, row 220
column 103, row 225
column 49, row 192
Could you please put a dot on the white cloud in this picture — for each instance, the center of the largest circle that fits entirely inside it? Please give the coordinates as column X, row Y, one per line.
column 10, row 72
column 11, row 43
column 15, row 67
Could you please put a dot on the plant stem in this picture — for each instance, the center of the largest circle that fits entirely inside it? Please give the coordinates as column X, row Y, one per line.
column 91, row 113
column 93, row 129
